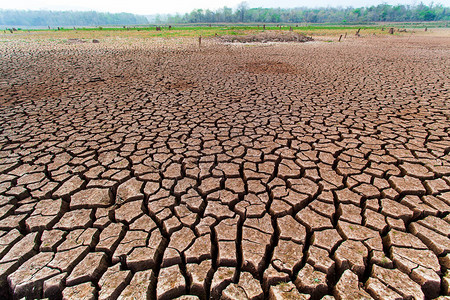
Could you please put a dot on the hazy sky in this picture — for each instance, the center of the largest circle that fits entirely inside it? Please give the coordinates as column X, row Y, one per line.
column 147, row 7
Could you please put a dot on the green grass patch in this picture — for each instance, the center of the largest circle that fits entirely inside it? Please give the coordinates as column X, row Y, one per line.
column 206, row 30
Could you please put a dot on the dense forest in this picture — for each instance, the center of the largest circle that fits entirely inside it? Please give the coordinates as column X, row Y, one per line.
column 241, row 14
column 67, row 18
column 379, row 13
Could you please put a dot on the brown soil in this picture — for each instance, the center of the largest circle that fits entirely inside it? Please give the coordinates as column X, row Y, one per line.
column 156, row 169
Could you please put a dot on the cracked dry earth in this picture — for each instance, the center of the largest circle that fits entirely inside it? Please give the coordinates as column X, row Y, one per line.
column 138, row 170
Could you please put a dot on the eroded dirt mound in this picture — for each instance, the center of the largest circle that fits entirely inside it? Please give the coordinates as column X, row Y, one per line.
column 267, row 36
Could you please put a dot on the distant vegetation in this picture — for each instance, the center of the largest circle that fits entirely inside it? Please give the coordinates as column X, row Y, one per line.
column 379, row 13
column 242, row 14
column 67, row 18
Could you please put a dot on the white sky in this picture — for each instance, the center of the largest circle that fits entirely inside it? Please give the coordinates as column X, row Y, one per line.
column 150, row 7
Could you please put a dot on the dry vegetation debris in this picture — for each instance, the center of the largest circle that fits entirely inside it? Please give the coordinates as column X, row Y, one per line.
column 266, row 37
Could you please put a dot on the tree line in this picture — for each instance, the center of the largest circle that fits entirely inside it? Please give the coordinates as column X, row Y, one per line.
column 67, row 18
column 241, row 14
column 379, row 13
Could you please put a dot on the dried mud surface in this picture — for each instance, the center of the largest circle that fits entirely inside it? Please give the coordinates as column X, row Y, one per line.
column 137, row 169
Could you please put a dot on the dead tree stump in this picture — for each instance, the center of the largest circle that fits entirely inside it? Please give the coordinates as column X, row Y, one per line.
column 340, row 38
